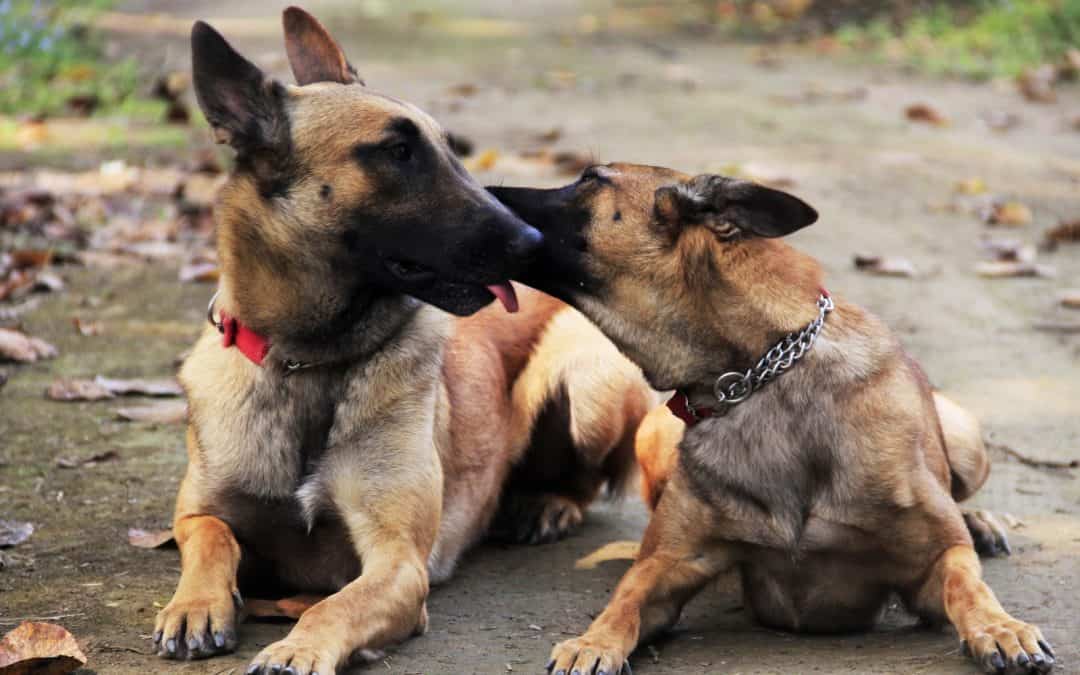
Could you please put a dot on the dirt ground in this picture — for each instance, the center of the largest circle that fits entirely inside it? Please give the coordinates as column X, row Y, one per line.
column 645, row 95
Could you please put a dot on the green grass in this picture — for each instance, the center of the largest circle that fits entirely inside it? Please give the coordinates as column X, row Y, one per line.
column 999, row 38
column 49, row 55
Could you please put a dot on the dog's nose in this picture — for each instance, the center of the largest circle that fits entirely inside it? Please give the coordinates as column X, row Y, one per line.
column 525, row 244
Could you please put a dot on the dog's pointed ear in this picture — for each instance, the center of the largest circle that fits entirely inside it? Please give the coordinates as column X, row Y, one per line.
column 313, row 54
column 245, row 108
column 731, row 207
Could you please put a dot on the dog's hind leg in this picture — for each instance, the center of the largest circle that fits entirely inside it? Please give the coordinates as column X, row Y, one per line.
column 200, row 620
column 576, row 407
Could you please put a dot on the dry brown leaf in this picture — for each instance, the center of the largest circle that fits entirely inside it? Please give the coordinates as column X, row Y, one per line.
column 463, row 90
column 885, row 266
column 39, row 649
column 1009, row 214
column 158, row 412
column 922, row 112
column 1004, row 269
column 87, row 328
column 1064, row 232
column 1070, row 298
column 16, row 346
column 92, row 460
column 285, row 608
column 165, row 386
column 14, row 532
column 150, row 538
column 1037, row 84
column 66, row 389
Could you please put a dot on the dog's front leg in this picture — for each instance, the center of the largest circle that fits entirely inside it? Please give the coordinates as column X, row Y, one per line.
column 676, row 561
column 392, row 515
column 200, row 620
column 997, row 641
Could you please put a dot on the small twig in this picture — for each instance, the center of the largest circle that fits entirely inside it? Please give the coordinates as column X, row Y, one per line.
column 1031, row 461
column 57, row 617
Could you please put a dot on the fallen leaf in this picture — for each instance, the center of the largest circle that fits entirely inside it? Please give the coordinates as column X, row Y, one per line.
column 166, row 386
column 485, row 161
column 922, row 112
column 1037, row 84
column 1008, row 250
column 463, row 90
column 285, row 608
column 83, row 105
column 92, row 460
column 150, row 538
column 39, row 649
column 16, row 346
column 615, row 550
column 66, row 389
column 199, row 272
column 87, row 328
column 14, row 532
column 158, row 412
column 1005, row 269
column 1009, row 214
column 1070, row 298
column 970, row 186
column 550, row 136
column 1064, row 232
column 885, row 266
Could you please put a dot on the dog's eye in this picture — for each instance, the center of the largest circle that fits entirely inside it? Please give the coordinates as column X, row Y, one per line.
column 399, row 152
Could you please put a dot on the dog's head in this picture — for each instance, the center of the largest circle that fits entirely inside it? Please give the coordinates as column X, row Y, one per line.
column 645, row 252
column 340, row 191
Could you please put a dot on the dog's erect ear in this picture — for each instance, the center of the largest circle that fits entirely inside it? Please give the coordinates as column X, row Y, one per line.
column 245, row 107
column 732, row 207
column 313, row 55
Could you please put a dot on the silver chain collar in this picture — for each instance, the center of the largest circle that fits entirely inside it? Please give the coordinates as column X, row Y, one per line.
column 734, row 387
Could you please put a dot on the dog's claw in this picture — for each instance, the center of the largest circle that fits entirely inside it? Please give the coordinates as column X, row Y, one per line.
column 1045, row 646
column 252, row 669
column 998, row 662
column 549, row 665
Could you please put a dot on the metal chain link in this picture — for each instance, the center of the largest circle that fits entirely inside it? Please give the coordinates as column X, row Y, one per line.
column 733, row 387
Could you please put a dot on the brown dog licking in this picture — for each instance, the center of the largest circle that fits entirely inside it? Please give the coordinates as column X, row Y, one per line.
column 824, row 469
column 346, row 438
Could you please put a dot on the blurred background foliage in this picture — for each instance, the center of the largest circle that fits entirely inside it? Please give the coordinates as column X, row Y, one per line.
column 52, row 62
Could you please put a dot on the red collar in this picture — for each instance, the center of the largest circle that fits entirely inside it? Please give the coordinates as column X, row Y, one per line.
column 250, row 343
column 679, row 404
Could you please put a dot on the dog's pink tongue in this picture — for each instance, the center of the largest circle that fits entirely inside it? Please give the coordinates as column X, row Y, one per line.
column 506, row 295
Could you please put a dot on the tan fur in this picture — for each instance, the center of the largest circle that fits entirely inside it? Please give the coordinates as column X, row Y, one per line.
column 366, row 474
column 828, row 489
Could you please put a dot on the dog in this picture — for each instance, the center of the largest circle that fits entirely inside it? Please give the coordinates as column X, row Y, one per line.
column 826, row 472
column 348, row 436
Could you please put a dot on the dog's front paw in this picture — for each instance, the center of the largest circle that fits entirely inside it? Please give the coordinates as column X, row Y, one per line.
column 537, row 518
column 1009, row 646
column 197, row 625
column 295, row 655
column 587, row 656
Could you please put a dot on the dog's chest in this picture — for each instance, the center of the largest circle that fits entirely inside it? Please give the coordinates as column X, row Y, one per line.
column 274, row 433
column 769, row 474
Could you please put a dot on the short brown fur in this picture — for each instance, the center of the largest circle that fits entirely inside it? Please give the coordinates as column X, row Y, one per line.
column 829, row 488
column 366, row 472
